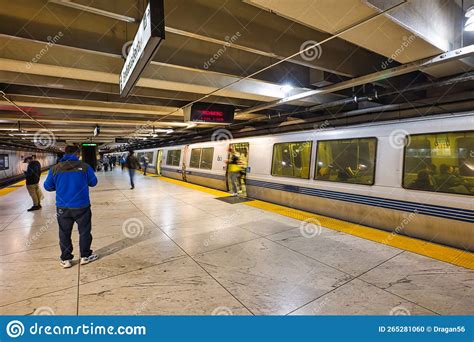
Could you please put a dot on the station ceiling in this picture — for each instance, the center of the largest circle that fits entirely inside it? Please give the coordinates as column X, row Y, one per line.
column 60, row 61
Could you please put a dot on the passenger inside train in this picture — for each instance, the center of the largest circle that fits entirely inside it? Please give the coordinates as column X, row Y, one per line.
column 441, row 163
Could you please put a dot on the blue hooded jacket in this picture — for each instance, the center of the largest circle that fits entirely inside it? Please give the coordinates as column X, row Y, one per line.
column 71, row 179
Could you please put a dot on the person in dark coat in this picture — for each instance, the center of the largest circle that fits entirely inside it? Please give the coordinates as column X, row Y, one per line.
column 33, row 174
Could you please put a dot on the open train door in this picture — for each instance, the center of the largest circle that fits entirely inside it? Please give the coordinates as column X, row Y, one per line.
column 159, row 159
column 242, row 152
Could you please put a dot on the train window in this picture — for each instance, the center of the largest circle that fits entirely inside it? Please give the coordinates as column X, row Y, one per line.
column 292, row 159
column 4, row 162
column 195, row 158
column 206, row 158
column 440, row 162
column 346, row 161
column 148, row 156
column 173, row 157
column 201, row 158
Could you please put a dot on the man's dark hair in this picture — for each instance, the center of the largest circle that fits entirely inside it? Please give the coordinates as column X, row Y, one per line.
column 71, row 149
column 131, row 152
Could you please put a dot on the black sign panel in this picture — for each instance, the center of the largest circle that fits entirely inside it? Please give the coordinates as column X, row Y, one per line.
column 148, row 38
column 210, row 113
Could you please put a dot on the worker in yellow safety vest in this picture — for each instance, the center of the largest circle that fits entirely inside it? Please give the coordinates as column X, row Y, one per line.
column 234, row 170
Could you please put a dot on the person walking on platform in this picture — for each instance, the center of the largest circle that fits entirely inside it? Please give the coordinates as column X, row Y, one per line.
column 131, row 163
column 105, row 162
column 122, row 161
column 71, row 179
column 113, row 161
column 33, row 174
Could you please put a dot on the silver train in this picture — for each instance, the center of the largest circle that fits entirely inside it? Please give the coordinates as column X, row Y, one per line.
column 413, row 177
column 12, row 165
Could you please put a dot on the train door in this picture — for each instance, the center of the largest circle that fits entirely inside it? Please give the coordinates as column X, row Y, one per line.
column 159, row 157
column 241, row 150
column 184, row 157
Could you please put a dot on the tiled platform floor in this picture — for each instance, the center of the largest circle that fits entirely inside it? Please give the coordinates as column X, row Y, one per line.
column 167, row 249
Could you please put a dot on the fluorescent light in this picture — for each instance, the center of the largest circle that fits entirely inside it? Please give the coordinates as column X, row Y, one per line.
column 161, row 130
column 469, row 25
column 286, row 88
column 94, row 10
column 470, row 12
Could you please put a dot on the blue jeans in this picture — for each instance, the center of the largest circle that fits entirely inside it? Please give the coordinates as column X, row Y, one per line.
column 131, row 172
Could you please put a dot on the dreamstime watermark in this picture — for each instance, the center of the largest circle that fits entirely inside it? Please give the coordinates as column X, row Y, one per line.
column 407, row 41
column 126, row 48
column 44, row 139
column 16, row 328
column 221, row 134
column 318, row 128
column 400, row 311
column 142, row 307
column 44, row 311
column 133, row 228
column 310, row 228
column 43, row 229
column 399, row 138
column 228, row 42
column 310, row 50
column 211, row 238
column 51, row 42
column 222, row 311
column 399, row 229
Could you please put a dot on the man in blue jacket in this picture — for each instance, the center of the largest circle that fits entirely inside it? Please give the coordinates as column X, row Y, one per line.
column 71, row 179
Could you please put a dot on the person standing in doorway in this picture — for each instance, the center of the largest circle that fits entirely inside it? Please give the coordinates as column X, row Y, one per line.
column 131, row 163
column 33, row 174
column 71, row 179
column 234, row 174
column 145, row 164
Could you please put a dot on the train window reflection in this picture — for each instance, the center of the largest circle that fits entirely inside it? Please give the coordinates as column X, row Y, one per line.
column 347, row 161
column 201, row 158
column 173, row 157
column 206, row 158
column 441, row 162
column 292, row 159
column 195, row 158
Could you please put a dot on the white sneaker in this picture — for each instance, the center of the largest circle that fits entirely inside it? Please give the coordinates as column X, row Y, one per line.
column 66, row 263
column 90, row 258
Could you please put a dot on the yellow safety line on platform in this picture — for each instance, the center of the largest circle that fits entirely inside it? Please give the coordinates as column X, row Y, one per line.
column 15, row 186
column 196, row 187
column 11, row 188
column 439, row 252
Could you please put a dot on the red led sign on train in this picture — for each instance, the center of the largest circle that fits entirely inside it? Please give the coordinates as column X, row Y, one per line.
column 210, row 113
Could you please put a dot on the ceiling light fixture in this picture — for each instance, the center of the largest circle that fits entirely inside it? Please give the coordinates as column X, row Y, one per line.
column 469, row 25
column 286, row 89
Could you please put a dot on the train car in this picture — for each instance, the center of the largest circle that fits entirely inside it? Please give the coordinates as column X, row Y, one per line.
column 412, row 177
column 12, row 164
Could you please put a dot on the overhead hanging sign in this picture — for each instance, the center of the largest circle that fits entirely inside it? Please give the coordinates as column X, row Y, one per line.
column 150, row 34
column 209, row 113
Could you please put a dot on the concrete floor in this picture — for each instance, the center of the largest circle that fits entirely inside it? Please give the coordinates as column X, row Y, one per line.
column 169, row 250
